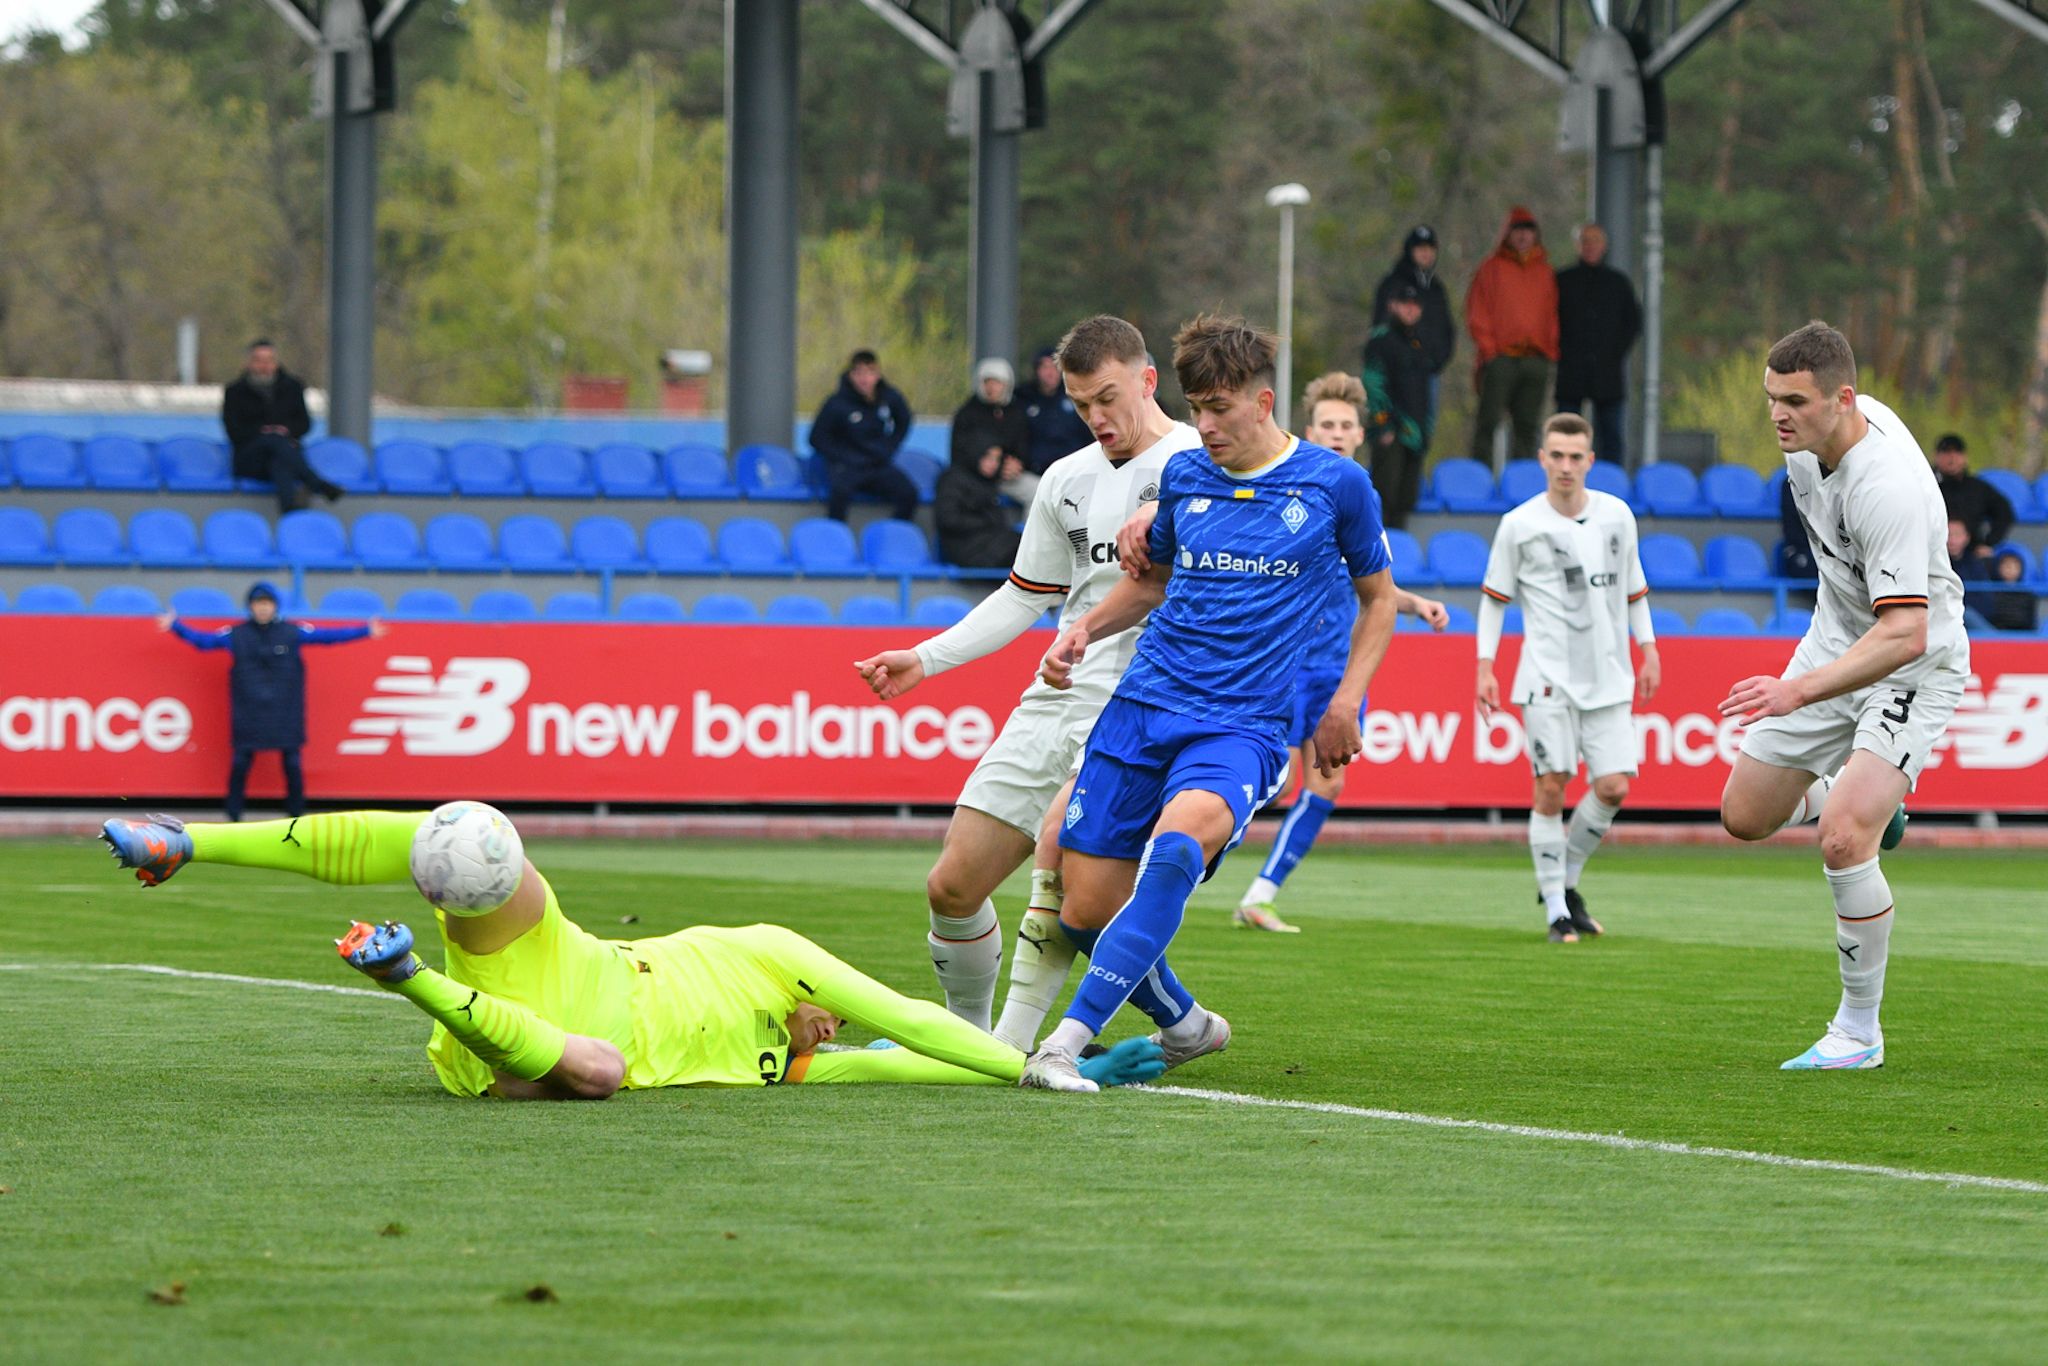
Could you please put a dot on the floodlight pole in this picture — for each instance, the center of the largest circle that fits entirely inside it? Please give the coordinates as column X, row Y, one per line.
column 1286, row 198
column 761, row 216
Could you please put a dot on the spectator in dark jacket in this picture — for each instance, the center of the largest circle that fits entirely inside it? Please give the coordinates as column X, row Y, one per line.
column 1971, row 501
column 857, row 432
column 1795, row 551
column 975, row 531
column 266, row 687
column 2015, row 609
column 1598, row 321
column 1397, row 380
column 1056, row 429
column 992, row 420
column 264, row 412
column 1438, row 329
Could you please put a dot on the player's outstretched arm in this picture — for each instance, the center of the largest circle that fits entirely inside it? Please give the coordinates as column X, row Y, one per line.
column 1126, row 604
column 993, row 622
column 1428, row 609
column 1898, row 638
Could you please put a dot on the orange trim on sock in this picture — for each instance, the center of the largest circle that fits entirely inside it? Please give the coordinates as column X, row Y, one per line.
column 1860, row 919
column 794, row 1072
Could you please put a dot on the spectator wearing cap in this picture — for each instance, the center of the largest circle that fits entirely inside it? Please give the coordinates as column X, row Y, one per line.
column 1438, row 329
column 266, row 687
column 1970, row 500
column 857, row 432
column 992, row 420
column 1511, row 312
column 1598, row 321
column 264, row 415
column 1397, row 416
column 1056, row 429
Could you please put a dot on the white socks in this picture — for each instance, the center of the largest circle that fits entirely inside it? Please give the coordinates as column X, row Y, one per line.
column 1863, row 933
column 1815, row 798
column 1188, row 1028
column 1070, row 1036
column 1262, row 892
column 967, row 954
column 1547, row 851
column 1038, row 965
column 1590, row 820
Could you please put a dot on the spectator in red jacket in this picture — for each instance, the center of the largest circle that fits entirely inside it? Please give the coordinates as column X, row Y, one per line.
column 1511, row 312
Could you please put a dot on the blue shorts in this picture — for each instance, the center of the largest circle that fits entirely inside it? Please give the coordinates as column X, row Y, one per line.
column 1312, row 694
column 1140, row 757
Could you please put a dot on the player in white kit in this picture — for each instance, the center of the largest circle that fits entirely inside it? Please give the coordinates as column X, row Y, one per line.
column 1069, row 550
column 1877, row 676
column 1569, row 555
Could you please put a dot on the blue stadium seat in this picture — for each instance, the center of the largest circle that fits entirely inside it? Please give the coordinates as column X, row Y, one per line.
column 1774, row 490
column 752, row 545
column 194, row 464
column 924, row 470
column 1729, row 560
column 89, row 536
column 699, row 472
column 352, row 604
column 555, row 469
column 6, row 470
column 49, row 599
column 605, row 542
column 2040, row 490
column 724, row 609
column 1511, row 620
column 385, row 540
column 623, row 470
column 1670, row 491
column 502, row 604
column 572, row 607
column 1666, row 622
column 413, row 467
column 1462, row 622
column 1724, row 621
column 798, row 609
column 2025, row 507
column 893, row 547
column 125, row 600
column 1457, row 558
column 24, row 537
column 1610, row 478
column 342, row 461
column 870, row 609
column 534, row 545
column 650, row 607
column 204, row 602
column 1670, row 561
column 1793, row 621
column 1523, row 480
column 771, row 472
column 823, row 547
column 312, row 539
column 457, row 540
column 1465, row 486
column 941, row 609
column 427, row 604
column 236, row 538
column 484, row 469
column 42, row 461
column 680, row 545
column 120, row 462
column 1409, row 565
column 1737, row 491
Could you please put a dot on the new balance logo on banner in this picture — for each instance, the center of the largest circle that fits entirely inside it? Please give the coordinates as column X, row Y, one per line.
column 2005, row 728
column 466, row 710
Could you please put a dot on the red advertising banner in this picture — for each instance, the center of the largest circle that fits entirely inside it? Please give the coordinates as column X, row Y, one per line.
column 105, row 707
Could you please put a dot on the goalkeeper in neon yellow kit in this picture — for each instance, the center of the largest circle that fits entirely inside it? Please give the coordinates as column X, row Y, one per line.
column 533, row 1006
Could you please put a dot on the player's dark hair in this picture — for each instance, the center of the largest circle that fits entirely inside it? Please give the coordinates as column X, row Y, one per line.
column 1094, row 342
column 1567, row 424
column 1218, row 355
column 1949, row 442
column 1335, row 387
column 861, row 357
column 1820, row 351
column 260, row 343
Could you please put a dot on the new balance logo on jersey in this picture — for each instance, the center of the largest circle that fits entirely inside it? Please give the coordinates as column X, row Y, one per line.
column 1198, row 505
column 467, row 710
column 1238, row 564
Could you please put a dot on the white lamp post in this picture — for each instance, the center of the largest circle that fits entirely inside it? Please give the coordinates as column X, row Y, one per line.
column 1286, row 198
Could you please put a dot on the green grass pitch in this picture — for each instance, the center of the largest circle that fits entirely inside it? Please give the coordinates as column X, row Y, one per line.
column 287, row 1158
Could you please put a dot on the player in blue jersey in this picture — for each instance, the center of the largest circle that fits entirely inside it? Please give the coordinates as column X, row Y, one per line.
column 1248, row 534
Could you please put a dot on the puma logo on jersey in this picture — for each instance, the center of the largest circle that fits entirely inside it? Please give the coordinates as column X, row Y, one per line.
column 1889, row 574
column 1070, row 503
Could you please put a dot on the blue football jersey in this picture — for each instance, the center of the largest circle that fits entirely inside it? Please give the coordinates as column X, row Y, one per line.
column 1254, row 559
column 1331, row 645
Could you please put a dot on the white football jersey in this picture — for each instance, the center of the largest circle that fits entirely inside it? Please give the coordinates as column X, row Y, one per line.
column 1880, row 536
column 1575, row 578
column 1070, row 542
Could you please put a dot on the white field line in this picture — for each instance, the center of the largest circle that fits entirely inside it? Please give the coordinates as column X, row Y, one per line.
column 1620, row 1142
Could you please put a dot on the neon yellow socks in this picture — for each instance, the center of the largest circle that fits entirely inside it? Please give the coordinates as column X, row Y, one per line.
column 352, row 848
column 504, row 1034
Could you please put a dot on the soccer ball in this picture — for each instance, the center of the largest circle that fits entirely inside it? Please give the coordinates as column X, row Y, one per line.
column 467, row 858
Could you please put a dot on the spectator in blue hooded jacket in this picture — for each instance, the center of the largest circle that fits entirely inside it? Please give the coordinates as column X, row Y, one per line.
column 857, row 432
column 266, row 687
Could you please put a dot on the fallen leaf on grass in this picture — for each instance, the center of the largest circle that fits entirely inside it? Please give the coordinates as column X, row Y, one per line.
column 629, row 920
column 541, row 1294
column 730, row 1237
column 174, row 1293
column 392, row 1230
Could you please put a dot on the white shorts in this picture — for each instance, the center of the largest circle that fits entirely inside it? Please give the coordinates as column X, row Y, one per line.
column 1558, row 735
column 1038, row 750
column 1898, row 721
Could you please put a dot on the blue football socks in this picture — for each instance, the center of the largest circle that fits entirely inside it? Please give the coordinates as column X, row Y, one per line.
column 1126, row 954
column 1297, row 836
